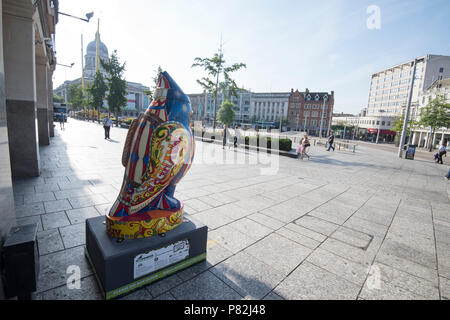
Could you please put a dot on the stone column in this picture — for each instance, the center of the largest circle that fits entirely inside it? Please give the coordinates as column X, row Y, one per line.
column 20, row 87
column 50, row 103
column 7, row 212
column 42, row 101
column 420, row 139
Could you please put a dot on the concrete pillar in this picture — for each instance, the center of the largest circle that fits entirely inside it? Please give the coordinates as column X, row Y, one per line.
column 433, row 141
column 7, row 212
column 42, row 101
column 50, row 103
column 20, row 87
column 420, row 139
column 414, row 138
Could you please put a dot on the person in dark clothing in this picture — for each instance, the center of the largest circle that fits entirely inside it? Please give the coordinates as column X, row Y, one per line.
column 107, row 123
column 61, row 120
column 225, row 136
column 331, row 141
column 442, row 152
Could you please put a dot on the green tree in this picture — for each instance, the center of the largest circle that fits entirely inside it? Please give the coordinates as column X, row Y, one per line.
column 97, row 92
column 435, row 115
column 75, row 96
column 215, row 67
column 397, row 124
column 57, row 98
column 226, row 113
column 154, row 83
column 116, row 84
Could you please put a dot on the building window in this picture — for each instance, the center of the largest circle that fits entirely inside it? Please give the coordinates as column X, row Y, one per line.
column 441, row 70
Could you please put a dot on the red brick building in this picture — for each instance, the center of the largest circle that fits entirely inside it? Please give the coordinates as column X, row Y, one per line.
column 305, row 111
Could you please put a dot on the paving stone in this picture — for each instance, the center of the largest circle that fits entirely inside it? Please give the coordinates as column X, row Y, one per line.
column 206, row 286
column 408, row 252
column 212, row 219
column 407, row 266
column 344, row 268
column 89, row 290
column 87, row 201
column 58, row 205
column 266, row 221
column 73, row 235
column 366, row 226
column 73, row 193
column 352, row 237
column 251, row 228
column 103, row 209
column 377, row 215
column 317, row 224
column 38, row 197
column 445, row 287
column 398, row 278
column 298, row 238
column 231, row 239
column 248, row 276
column 54, row 220
column 165, row 296
column 49, row 241
column 309, row 282
column 197, row 205
column 141, row 294
column 27, row 210
column 80, row 215
column 279, row 253
column 306, row 232
column 164, row 285
column 273, row 296
column 30, row 220
column 347, row 251
column 388, row 291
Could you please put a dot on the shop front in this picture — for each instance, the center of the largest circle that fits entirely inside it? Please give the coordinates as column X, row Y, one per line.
column 386, row 136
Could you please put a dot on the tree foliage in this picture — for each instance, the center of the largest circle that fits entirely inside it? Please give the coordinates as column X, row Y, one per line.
column 397, row 124
column 116, row 84
column 226, row 113
column 435, row 115
column 97, row 91
column 57, row 98
column 75, row 96
column 215, row 68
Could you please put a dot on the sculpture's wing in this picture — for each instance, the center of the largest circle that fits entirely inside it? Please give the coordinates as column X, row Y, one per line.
column 169, row 148
column 129, row 141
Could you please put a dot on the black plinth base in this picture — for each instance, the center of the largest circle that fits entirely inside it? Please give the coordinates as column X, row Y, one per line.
column 122, row 266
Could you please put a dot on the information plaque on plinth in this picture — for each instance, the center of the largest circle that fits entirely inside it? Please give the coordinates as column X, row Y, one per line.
column 122, row 266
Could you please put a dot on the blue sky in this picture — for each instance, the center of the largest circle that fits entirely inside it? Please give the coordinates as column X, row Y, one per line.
column 319, row 45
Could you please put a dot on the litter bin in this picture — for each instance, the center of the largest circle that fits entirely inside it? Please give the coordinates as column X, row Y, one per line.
column 410, row 152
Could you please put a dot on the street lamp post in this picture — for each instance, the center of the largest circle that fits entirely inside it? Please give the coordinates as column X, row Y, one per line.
column 321, row 118
column 88, row 16
column 65, row 65
column 408, row 107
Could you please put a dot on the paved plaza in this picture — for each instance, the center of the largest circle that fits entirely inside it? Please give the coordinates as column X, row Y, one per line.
column 342, row 225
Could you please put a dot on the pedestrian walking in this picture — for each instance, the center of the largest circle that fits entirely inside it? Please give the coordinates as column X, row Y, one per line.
column 236, row 136
column 61, row 120
column 331, row 141
column 225, row 135
column 442, row 152
column 107, row 123
column 299, row 151
column 305, row 144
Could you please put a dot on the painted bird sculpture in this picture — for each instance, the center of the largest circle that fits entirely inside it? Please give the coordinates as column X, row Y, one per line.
column 158, row 152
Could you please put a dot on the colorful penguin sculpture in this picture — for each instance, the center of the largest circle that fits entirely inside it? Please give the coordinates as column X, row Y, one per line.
column 158, row 152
